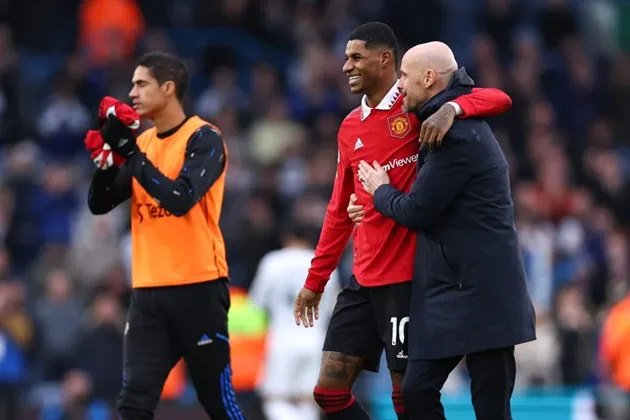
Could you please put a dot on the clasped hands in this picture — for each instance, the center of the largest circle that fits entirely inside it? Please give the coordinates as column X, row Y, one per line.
column 115, row 139
column 119, row 137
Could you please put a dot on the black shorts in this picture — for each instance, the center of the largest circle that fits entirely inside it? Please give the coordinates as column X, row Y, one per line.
column 367, row 320
column 165, row 324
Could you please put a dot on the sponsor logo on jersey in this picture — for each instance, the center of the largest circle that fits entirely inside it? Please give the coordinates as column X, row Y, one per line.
column 398, row 163
column 151, row 211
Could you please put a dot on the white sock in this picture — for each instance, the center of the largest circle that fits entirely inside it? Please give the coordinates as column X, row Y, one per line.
column 309, row 411
column 281, row 410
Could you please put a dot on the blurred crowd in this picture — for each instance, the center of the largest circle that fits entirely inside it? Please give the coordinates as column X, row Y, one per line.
column 268, row 73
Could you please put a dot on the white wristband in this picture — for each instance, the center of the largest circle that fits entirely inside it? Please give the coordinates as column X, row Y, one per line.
column 458, row 109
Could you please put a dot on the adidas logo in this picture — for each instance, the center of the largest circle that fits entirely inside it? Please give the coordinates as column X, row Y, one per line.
column 401, row 355
column 358, row 144
column 204, row 340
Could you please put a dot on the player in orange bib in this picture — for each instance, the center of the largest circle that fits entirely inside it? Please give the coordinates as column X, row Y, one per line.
column 175, row 177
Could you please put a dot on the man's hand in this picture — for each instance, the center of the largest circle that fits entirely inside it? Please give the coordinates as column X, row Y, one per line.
column 119, row 137
column 355, row 211
column 372, row 177
column 306, row 309
column 102, row 155
column 437, row 125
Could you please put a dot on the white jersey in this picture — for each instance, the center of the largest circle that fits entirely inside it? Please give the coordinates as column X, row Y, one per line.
column 293, row 352
column 279, row 278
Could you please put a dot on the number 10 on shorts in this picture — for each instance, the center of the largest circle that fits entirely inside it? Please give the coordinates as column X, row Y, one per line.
column 398, row 329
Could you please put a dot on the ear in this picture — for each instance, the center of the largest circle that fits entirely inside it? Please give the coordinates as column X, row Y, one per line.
column 429, row 78
column 169, row 87
column 386, row 58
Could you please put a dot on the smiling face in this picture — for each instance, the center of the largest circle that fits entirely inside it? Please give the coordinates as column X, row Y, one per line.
column 364, row 66
column 147, row 95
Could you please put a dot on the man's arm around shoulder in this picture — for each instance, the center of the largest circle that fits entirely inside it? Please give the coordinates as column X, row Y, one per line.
column 483, row 102
column 442, row 176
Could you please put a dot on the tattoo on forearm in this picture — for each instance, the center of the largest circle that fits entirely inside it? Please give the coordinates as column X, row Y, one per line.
column 444, row 116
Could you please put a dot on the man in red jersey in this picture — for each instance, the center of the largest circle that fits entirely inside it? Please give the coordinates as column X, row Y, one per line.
column 372, row 314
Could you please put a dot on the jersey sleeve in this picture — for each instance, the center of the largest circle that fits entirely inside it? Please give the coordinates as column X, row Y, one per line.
column 336, row 230
column 484, row 102
column 108, row 189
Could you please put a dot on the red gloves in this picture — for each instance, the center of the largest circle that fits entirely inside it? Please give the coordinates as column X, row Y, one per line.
column 110, row 106
column 102, row 155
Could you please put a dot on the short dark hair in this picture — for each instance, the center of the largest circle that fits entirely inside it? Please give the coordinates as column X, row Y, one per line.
column 377, row 34
column 165, row 67
column 296, row 230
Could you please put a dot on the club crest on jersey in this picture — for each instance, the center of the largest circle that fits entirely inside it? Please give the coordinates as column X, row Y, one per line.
column 399, row 125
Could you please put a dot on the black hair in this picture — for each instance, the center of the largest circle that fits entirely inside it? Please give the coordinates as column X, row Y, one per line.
column 165, row 67
column 295, row 230
column 377, row 35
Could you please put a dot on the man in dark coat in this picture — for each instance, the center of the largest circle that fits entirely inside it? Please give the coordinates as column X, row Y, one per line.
column 470, row 293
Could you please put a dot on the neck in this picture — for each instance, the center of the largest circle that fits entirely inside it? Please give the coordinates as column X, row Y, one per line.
column 439, row 87
column 434, row 90
column 296, row 244
column 375, row 98
column 171, row 116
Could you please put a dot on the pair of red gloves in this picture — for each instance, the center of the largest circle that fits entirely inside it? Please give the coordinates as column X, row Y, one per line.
column 101, row 153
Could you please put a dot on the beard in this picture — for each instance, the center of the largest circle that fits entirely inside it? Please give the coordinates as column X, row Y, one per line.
column 407, row 106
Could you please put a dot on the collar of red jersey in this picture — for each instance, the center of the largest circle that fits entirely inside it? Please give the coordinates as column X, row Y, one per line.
column 385, row 105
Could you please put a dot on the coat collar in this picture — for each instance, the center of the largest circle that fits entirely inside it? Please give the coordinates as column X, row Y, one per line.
column 459, row 84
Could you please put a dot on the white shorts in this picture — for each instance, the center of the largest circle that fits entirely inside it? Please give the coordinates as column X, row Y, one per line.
column 291, row 370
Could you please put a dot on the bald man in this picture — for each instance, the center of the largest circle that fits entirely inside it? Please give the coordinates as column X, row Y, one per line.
column 444, row 66
column 469, row 294
column 425, row 70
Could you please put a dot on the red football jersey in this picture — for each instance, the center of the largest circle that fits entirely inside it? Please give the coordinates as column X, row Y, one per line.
column 384, row 251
